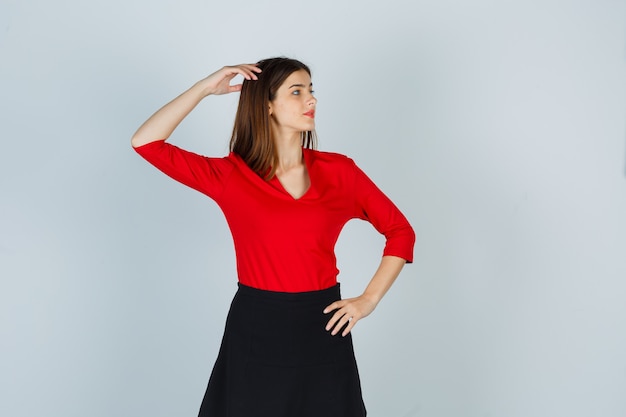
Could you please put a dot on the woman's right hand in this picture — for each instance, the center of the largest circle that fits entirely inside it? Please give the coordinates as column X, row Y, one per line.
column 219, row 82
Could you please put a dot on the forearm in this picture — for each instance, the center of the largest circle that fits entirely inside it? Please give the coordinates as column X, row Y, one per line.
column 386, row 274
column 162, row 123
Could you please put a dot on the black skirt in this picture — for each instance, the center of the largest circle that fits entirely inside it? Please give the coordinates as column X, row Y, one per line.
column 277, row 360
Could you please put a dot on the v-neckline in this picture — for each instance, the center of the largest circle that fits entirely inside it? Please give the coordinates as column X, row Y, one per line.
column 307, row 167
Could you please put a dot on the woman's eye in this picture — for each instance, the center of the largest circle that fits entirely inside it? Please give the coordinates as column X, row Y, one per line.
column 296, row 92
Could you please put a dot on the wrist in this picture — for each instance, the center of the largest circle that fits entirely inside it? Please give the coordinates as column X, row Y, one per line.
column 204, row 88
column 372, row 297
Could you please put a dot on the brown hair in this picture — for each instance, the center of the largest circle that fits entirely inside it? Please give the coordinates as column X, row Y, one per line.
column 252, row 134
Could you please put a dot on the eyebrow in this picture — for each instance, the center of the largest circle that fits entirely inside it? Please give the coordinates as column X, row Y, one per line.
column 300, row 85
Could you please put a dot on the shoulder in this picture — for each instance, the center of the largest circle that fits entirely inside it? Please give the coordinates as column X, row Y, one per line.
column 337, row 160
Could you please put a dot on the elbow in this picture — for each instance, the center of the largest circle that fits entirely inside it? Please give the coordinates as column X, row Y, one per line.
column 401, row 243
column 135, row 141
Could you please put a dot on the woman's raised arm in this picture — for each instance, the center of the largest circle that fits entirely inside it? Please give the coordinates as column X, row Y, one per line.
column 162, row 123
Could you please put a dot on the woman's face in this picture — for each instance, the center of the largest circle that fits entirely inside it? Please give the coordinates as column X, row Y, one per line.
column 293, row 107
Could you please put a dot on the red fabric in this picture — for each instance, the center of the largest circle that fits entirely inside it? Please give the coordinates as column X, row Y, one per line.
column 284, row 244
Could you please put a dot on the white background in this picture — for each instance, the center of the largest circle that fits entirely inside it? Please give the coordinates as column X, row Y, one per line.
column 497, row 127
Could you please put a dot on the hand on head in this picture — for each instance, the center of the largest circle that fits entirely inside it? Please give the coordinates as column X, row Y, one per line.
column 219, row 82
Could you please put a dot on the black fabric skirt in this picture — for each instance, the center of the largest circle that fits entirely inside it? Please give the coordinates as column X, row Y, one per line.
column 277, row 359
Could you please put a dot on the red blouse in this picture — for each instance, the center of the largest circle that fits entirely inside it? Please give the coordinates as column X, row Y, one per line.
column 281, row 243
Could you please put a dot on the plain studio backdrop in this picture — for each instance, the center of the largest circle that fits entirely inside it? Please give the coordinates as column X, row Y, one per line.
column 498, row 127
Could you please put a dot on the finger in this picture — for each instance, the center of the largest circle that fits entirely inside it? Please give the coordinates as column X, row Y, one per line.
column 351, row 322
column 339, row 320
column 248, row 71
column 330, row 308
column 232, row 71
column 334, row 319
column 331, row 322
column 234, row 88
column 334, row 306
column 245, row 74
column 252, row 67
column 342, row 324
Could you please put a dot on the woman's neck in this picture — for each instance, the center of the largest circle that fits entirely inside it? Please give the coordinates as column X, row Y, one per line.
column 289, row 152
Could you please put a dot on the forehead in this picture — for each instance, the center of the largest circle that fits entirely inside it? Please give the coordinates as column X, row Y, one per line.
column 300, row 77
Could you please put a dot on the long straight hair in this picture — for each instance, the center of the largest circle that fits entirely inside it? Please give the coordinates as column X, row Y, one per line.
column 252, row 137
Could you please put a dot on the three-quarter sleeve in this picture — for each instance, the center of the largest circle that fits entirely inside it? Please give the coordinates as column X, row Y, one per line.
column 374, row 206
column 204, row 174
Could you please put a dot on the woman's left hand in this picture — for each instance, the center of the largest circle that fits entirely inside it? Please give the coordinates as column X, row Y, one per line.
column 347, row 313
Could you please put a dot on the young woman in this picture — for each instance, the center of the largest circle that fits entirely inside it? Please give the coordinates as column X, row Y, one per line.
column 287, row 349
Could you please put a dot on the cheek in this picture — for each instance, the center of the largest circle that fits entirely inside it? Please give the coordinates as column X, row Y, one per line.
column 283, row 112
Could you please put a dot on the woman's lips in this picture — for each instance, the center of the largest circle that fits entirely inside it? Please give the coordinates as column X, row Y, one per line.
column 310, row 113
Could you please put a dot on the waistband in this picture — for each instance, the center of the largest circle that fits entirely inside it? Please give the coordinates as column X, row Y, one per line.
column 332, row 292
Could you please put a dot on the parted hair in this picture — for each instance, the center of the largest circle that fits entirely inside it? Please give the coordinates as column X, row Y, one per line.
column 252, row 137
